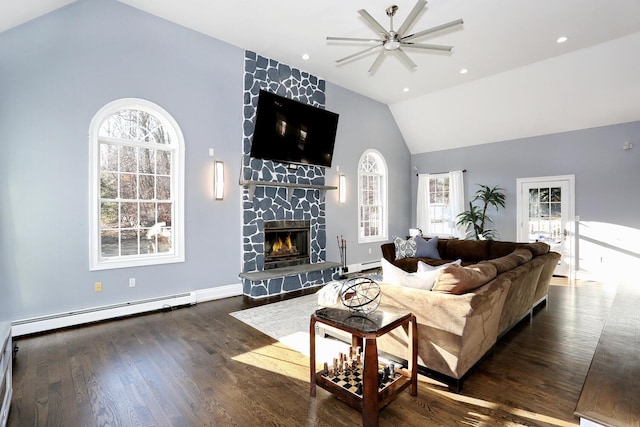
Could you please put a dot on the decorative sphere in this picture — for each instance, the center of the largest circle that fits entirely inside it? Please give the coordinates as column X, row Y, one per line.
column 360, row 294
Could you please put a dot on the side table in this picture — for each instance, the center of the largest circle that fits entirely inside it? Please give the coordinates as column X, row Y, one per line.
column 366, row 329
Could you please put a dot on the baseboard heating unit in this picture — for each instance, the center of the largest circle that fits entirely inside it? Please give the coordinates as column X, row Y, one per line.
column 95, row 314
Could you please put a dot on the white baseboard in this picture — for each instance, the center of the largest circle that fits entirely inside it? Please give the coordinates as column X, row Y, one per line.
column 219, row 292
column 95, row 314
column 362, row 266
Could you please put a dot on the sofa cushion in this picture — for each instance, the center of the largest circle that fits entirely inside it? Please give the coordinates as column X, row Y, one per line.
column 458, row 280
column 397, row 276
column 404, row 248
column 468, row 250
column 427, row 248
column 537, row 248
column 511, row 261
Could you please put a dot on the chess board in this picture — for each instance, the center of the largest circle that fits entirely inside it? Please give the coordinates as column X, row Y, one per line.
column 352, row 381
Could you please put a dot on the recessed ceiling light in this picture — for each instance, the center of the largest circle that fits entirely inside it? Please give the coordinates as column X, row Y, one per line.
column 562, row 39
column 464, row 71
column 406, row 89
column 305, row 56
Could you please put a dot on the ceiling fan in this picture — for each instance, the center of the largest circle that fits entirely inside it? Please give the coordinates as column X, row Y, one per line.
column 392, row 41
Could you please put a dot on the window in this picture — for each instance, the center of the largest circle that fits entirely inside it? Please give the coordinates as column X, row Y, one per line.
column 372, row 197
column 136, row 189
column 440, row 200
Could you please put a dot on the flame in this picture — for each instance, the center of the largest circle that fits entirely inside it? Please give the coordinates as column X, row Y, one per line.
column 280, row 246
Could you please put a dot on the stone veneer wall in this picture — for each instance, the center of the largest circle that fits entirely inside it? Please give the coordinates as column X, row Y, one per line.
column 270, row 203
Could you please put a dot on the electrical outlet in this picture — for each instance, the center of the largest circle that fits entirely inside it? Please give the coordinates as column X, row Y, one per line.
column 98, row 286
column 369, row 250
column 132, row 282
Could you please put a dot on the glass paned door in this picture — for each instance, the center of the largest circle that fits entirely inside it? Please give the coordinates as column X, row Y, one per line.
column 545, row 211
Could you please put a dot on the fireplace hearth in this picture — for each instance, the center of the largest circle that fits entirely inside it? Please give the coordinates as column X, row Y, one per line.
column 286, row 243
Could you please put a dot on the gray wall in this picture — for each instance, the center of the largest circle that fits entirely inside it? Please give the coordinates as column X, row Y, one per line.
column 606, row 176
column 56, row 72
column 364, row 124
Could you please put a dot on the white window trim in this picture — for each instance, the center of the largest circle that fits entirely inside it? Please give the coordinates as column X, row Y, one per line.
column 96, row 262
column 385, row 200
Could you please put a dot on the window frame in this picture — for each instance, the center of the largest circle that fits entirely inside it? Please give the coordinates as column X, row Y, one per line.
column 96, row 260
column 452, row 221
column 384, row 203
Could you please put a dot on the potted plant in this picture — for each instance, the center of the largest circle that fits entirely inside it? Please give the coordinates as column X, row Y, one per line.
column 476, row 218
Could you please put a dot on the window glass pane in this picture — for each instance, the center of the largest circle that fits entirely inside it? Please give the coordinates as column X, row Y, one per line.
column 109, row 215
column 108, row 185
column 108, row 157
column 165, row 213
column 128, row 214
column 128, row 159
column 109, row 243
column 129, row 242
column 147, row 186
column 128, row 186
column 544, row 210
column 533, row 195
column 556, row 194
column 147, row 160
column 164, row 188
column 147, row 214
column 163, row 162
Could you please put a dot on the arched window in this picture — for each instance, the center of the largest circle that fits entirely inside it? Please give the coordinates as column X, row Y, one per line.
column 137, row 186
column 372, row 197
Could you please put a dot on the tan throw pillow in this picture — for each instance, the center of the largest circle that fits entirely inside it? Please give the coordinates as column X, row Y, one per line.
column 459, row 280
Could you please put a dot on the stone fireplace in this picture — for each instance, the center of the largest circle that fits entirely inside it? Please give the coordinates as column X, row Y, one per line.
column 286, row 243
column 275, row 195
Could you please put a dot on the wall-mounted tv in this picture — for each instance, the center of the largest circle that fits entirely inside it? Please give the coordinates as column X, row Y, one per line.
column 289, row 131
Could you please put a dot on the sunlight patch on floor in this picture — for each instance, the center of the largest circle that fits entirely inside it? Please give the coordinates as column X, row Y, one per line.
column 290, row 355
column 501, row 407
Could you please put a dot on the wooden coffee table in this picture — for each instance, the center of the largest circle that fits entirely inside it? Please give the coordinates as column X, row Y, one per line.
column 366, row 329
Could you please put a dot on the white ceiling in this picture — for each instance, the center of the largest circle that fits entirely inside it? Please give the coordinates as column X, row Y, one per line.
column 520, row 81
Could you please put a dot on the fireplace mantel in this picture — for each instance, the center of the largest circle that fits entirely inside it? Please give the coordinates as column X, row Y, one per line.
column 251, row 185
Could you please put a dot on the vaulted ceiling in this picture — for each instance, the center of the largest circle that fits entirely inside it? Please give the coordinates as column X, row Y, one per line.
column 520, row 81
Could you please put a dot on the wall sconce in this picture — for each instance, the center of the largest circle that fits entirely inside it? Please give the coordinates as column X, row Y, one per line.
column 218, row 180
column 342, row 188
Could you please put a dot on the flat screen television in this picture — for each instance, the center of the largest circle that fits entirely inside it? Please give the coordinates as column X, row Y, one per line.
column 289, row 131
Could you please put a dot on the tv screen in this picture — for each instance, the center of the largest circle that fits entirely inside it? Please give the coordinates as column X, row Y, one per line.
column 289, row 131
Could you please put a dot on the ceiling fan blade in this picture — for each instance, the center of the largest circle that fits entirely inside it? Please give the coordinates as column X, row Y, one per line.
column 404, row 58
column 362, row 52
column 373, row 23
column 427, row 46
column 433, row 30
column 412, row 16
column 377, row 62
column 354, row 39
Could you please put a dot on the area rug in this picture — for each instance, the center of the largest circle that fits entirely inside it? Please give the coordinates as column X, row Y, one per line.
column 288, row 322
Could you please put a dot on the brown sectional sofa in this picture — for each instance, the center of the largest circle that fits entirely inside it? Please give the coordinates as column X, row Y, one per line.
column 457, row 331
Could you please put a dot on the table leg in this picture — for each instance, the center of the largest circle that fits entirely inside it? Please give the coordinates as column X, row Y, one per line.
column 312, row 357
column 370, row 384
column 413, row 356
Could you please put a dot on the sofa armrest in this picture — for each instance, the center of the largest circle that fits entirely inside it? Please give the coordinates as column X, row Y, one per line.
column 388, row 251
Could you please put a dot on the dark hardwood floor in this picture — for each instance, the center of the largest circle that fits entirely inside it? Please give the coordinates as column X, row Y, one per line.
column 198, row 366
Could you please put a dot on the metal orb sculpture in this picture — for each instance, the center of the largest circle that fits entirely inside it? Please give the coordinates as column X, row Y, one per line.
column 360, row 295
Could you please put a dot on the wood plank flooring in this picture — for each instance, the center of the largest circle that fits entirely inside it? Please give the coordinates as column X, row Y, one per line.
column 198, row 366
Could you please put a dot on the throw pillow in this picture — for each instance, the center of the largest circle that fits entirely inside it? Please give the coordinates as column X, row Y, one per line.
column 423, row 266
column 397, row 276
column 404, row 248
column 459, row 280
column 522, row 255
column 427, row 248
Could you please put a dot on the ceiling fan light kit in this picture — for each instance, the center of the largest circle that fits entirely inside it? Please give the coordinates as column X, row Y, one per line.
column 393, row 42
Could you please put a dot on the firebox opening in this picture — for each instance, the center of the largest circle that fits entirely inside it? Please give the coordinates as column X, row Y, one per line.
column 286, row 243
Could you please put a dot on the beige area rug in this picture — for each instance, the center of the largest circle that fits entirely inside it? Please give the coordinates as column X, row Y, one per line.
column 288, row 322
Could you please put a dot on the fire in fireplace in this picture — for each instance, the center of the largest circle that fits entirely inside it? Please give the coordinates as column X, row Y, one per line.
column 286, row 243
